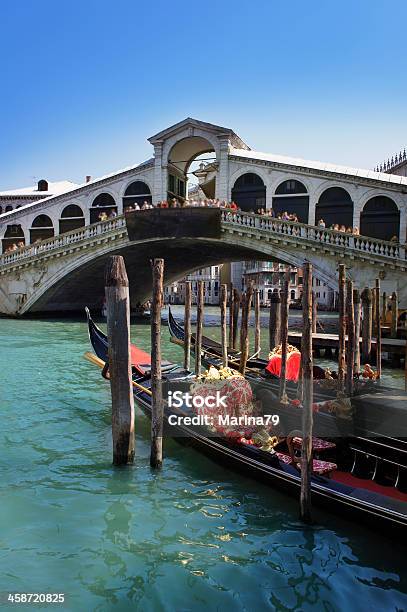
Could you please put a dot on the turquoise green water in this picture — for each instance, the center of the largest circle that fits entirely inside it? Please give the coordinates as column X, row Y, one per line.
column 193, row 537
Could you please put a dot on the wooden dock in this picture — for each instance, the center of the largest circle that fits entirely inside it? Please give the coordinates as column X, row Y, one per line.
column 392, row 346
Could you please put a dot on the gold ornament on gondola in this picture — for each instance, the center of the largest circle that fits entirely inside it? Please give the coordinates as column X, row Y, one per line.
column 277, row 350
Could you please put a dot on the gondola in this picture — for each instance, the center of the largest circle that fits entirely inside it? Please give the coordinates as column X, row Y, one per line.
column 256, row 367
column 343, row 493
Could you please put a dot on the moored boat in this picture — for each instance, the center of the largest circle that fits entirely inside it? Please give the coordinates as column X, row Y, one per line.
column 333, row 486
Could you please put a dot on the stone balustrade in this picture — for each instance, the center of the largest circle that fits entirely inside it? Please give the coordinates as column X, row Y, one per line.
column 296, row 232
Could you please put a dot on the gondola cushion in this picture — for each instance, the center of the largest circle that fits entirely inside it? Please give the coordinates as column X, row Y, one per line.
column 292, row 369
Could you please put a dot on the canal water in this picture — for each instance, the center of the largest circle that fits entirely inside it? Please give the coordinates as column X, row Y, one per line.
column 194, row 536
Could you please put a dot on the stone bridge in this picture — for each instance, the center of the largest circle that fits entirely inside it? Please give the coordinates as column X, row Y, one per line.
column 66, row 272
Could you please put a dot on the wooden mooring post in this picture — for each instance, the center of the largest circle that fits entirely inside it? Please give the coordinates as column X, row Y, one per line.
column 257, row 336
column 284, row 337
column 356, row 311
column 378, row 331
column 244, row 328
column 308, row 392
column 384, row 308
column 223, row 323
column 119, row 366
column 231, row 303
column 350, row 353
column 236, row 308
column 199, row 327
column 157, row 406
column 367, row 324
column 314, row 312
column 275, row 320
column 187, row 325
column 342, row 329
column 394, row 314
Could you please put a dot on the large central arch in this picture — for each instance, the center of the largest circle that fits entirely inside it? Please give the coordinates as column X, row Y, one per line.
column 180, row 157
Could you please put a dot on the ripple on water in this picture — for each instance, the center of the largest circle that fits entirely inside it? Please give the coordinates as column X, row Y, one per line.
column 195, row 536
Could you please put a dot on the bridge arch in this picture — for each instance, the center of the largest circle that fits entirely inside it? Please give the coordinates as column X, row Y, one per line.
column 71, row 218
column 41, row 228
column 380, row 218
column 103, row 203
column 249, row 192
column 137, row 191
column 291, row 195
column 335, row 205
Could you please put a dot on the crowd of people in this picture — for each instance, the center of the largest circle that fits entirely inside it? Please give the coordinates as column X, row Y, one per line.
column 339, row 228
column 14, row 246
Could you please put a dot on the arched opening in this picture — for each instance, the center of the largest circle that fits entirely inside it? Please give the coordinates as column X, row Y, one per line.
column 103, row 207
column 136, row 193
column 13, row 238
column 292, row 296
column 71, row 218
column 1, row 210
column 380, row 218
column 9, row 208
column 181, row 168
column 41, row 229
column 42, row 185
column 291, row 196
column 335, row 206
column 249, row 192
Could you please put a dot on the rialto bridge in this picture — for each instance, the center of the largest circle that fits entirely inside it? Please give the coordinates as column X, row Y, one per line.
column 66, row 272
column 62, row 245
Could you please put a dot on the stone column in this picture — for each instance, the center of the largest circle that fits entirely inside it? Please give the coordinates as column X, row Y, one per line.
column 222, row 179
column 160, row 175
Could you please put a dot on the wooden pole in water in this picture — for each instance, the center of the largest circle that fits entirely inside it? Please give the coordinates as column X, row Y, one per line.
column 236, row 308
column 284, row 338
column 405, row 368
column 244, row 328
column 314, row 312
column 118, row 331
column 384, row 307
column 187, row 325
column 231, row 304
column 157, row 407
column 342, row 329
column 307, row 389
column 223, row 323
column 257, row 337
column 199, row 326
column 350, row 353
column 373, row 309
column 275, row 320
column 378, row 331
column 367, row 324
column 356, row 310
column 394, row 314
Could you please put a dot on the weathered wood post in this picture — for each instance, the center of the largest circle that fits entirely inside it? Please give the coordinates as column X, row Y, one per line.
column 275, row 320
column 199, row 326
column 284, row 337
column 394, row 314
column 405, row 368
column 342, row 329
column 257, row 337
column 231, row 303
column 373, row 309
column 307, row 390
column 244, row 328
column 187, row 325
column 118, row 332
column 367, row 324
column 236, row 308
column 314, row 312
column 350, row 353
column 384, row 307
column 157, row 407
column 356, row 310
column 378, row 331
column 223, row 323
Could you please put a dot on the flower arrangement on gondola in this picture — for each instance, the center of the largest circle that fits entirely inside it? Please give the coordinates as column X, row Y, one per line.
column 340, row 407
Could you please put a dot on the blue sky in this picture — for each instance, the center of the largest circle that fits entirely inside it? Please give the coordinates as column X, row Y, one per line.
column 84, row 83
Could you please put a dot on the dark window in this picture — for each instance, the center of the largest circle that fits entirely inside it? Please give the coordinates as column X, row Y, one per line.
column 249, row 192
column 335, row 206
column 137, row 193
column 103, row 201
column 71, row 218
column 42, row 185
column 14, row 235
column 42, row 221
column 72, row 211
column 9, row 208
column 41, row 229
column 380, row 218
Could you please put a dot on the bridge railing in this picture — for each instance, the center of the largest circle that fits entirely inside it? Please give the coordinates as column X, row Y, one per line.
column 62, row 240
column 329, row 237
